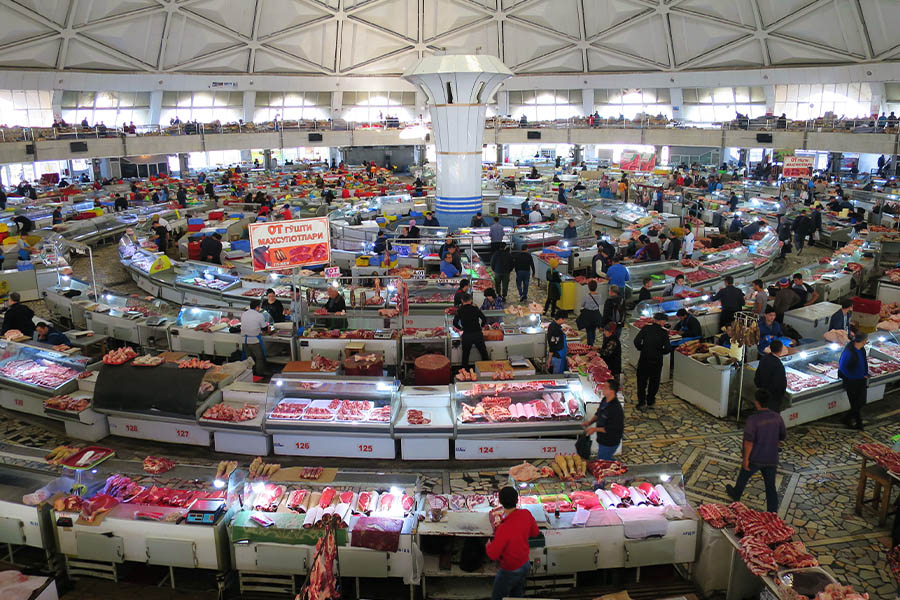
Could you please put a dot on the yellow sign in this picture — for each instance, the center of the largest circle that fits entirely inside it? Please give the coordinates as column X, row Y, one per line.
column 161, row 263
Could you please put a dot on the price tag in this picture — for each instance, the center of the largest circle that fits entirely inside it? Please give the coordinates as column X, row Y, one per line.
column 332, row 272
column 467, row 449
column 319, row 445
column 419, row 274
column 173, row 433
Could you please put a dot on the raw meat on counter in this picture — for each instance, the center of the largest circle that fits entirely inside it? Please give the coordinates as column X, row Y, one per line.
column 195, row 363
column 155, row 465
column 120, row 356
column 794, row 555
column 228, row 413
column 601, row 469
column 717, row 515
column 320, row 363
column 96, row 506
column 382, row 414
column 759, row 557
column 798, row 383
column 289, row 409
column 882, row 367
column 43, row 373
column 416, row 417
column 13, row 334
column 883, row 455
column 67, row 403
column 765, row 526
column 312, row 473
column 147, row 360
column 268, row 497
column 353, row 410
column 836, row 591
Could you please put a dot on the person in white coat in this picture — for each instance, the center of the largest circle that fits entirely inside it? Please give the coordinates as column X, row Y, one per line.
column 687, row 246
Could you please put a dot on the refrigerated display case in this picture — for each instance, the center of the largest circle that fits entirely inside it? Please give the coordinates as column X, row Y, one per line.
column 66, row 300
column 707, row 312
column 522, row 418
column 656, row 270
column 204, row 283
column 352, row 416
column 814, row 389
column 130, row 318
column 424, row 423
column 216, row 331
column 30, row 374
column 326, row 335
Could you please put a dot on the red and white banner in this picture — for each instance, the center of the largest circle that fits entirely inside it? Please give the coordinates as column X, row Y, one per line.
column 798, row 166
column 632, row 160
column 290, row 244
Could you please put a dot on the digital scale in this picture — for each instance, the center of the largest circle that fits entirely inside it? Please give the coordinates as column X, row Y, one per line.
column 205, row 512
column 381, row 334
column 156, row 321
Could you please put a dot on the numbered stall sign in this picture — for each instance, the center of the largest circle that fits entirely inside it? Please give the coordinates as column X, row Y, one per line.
column 472, row 449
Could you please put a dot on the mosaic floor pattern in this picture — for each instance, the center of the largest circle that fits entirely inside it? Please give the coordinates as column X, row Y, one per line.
column 816, row 479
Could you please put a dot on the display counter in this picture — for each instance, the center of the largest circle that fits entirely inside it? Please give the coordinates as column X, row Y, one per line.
column 350, row 417
column 707, row 313
column 706, row 383
column 811, row 321
column 425, row 423
column 523, row 418
column 216, row 331
column 814, row 390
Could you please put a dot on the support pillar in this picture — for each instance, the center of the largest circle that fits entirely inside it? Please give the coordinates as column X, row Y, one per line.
column 246, row 156
column 499, row 154
column 183, row 167
column 56, row 105
column 835, row 161
column 587, row 102
column 155, row 107
column 676, row 97
column 334, row 155
column 459, row 87
column 579, row 154
column 769, row 92
column 267, row 160
column 249, row 106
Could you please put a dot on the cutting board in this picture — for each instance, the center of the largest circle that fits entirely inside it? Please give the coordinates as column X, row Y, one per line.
column 293, row 474
column 469, row 523
column 173, row 357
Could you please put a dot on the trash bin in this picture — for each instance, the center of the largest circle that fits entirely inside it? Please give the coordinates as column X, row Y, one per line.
column 568, row 296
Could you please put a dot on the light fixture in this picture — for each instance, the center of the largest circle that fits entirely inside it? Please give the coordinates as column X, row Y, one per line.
column 833, row 346
column 218, row 484
column 803, row 354
column 664, row 478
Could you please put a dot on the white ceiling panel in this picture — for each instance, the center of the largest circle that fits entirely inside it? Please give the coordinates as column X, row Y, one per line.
column 374, row 37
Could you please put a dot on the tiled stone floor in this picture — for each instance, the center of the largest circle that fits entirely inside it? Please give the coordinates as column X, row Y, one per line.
column 816, row 480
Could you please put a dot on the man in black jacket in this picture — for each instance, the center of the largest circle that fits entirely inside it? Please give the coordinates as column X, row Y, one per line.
column 841, row 319
column 732, row 300
column 502, row 265
column 653, row 343
column 816, row 218
column 524, row 266
column 688, row 325
column 770, row 374
column 181, row 196
column 470, row 320
column 211, row 249
column 608, row 421
column 18, row 316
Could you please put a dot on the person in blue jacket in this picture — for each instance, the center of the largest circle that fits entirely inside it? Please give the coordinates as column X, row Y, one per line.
column 853, row 369
column 448, row 269
column 617, row 273
column 841, row 319
column 769, row 329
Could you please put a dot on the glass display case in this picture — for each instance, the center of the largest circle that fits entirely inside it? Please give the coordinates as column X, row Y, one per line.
column 811, row 371
column 78, row 231
column 662, row 272
column 350, row 406
column 538, row 235
column 204, row 276
column 144, row 259
column 506, row 335
column 699, row 305
column 133, row 306
column 41, row 370
column 430, row 294
column 208, row 319
column 766, row 247
column 734, row 262
column 552, row 405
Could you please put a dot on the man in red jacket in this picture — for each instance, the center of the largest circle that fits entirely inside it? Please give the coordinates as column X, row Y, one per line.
column 510, row 547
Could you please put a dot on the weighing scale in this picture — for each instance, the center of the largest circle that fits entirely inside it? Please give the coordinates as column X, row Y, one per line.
column 381, row 334
column 156, row 321
column 206, row 512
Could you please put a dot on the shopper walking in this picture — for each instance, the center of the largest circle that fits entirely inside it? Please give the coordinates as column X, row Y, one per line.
column 524, row 266
column 510, row 546
column 554, row 288
column 502, row 265
column 853, row 369
column 469, row 320
column 590, row 317
column 608, row 422
column 614, row 307
column 653, row 343
column 763, row 434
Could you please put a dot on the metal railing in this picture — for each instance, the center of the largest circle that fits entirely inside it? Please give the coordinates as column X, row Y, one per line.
column 768, row 123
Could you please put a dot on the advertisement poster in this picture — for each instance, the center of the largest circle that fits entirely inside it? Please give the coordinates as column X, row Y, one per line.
column 637, row 161
column 798, row 166
column 290, row 244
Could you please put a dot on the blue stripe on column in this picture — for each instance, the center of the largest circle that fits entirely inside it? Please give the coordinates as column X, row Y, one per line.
column 458, row 198
column 458, row 207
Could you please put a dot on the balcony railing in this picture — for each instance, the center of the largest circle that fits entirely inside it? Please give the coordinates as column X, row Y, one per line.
column 768, row 124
